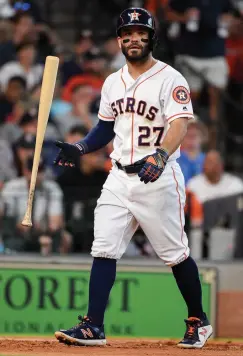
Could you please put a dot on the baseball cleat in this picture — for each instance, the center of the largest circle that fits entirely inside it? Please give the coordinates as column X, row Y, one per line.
column 82, row 334
column 198, row 331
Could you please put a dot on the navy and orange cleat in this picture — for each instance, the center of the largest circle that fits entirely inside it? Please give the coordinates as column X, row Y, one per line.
column 198, row 331
column 83, row 334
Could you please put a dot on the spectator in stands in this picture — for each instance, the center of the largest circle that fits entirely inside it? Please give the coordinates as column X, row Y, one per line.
column 59, row 106
column 95, row 71
column 117, row 59
column 193, row 212
column 233, row 106
column 12, row 129
column 5, row 31
column 76, row 134
column 47, row 43
column 7, row 167
column 24, row 66
column 26, row 125
column 23, row 29
column 154, row 6
column 200, row 45
column 80, row 113
column 23, row 149
column 14, row 92
column 95, row 63
column 27, row 6
column 74, row 65
column 6, row 11
column 27, row 26
column 47, row 234
column 192, row 158
column 164, row 49
column 214, row 182
column 21, row 131
column 234, row 50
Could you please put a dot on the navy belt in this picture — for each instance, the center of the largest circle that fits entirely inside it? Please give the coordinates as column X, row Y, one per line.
column 132, row 168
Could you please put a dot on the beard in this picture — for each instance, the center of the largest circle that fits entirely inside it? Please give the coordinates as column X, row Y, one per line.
column 136, row 55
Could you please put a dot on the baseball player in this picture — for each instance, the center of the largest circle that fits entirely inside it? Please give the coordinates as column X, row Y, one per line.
column 145, row 107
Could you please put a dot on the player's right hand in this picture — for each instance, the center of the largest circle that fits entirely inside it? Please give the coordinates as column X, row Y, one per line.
column 69, row 154
column 154, row 166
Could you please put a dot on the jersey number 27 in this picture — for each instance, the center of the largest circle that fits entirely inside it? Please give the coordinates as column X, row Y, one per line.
column 146, row 133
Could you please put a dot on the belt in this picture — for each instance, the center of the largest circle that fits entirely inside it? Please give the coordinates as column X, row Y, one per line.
column 132, row 168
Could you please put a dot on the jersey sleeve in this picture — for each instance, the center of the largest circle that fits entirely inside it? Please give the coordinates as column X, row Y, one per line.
column 105, row 110
column 177, row 100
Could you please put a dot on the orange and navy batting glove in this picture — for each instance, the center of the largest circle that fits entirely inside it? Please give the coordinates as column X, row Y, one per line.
column 154, row 166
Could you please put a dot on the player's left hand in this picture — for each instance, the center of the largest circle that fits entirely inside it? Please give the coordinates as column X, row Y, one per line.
column 69, row 154
column 154, row 166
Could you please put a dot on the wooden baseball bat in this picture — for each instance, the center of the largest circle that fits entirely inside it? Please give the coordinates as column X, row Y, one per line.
column 46, row 96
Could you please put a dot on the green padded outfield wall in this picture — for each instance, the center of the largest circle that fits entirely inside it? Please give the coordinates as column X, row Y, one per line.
column 142, row 303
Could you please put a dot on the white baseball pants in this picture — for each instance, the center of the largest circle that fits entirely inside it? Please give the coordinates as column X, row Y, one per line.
column 125, row 203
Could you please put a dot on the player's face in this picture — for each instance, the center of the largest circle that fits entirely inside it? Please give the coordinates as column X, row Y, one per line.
column 134, row 43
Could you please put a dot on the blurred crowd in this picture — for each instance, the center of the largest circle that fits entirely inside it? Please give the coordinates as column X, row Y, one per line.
column 201, row 38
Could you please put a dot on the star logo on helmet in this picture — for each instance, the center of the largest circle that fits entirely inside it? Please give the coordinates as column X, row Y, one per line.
column 134, row 16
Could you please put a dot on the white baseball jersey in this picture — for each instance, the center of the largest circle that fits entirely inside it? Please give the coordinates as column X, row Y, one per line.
column 143, row 109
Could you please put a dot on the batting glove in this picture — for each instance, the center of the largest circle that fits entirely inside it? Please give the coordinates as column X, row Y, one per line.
column 69, row 154
column 154, row 166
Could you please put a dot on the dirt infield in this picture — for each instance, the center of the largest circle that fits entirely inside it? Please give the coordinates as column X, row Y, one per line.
column 115, row 347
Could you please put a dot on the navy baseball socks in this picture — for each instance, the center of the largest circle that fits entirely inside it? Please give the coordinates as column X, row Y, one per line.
column 90, row 330
column 198, row 328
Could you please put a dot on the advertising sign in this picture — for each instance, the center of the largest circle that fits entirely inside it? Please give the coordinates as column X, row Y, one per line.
column 142, row 304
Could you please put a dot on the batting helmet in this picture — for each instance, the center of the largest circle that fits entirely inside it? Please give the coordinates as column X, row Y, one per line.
column 136, row 16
